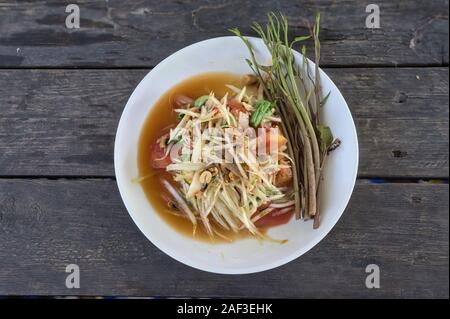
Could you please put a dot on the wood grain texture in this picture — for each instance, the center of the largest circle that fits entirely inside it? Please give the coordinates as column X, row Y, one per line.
column 48, row 224
column 118, row 33
column 63, row 122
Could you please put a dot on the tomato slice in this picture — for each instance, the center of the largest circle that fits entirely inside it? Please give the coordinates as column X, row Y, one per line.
column 274, row 219
column 236, row 107
column 158, row 159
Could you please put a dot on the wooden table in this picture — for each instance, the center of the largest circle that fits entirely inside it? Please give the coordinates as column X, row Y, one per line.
column 61, row 95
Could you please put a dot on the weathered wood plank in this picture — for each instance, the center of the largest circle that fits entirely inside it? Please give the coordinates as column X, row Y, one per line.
column 63, row 122
column 55, row 120
column 44, row 226
column 141, row 33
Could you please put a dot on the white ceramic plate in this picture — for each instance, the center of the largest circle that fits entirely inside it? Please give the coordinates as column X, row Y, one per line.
column 228, row 54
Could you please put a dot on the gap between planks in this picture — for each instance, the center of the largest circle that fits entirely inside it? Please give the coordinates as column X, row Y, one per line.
column 324, row 66
column 364, row 179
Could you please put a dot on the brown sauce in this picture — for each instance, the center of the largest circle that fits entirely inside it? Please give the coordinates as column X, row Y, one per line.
column 161, row 117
